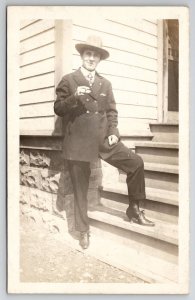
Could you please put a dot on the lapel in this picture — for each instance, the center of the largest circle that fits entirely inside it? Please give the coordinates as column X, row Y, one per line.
column 96, row 85
column 81, row 80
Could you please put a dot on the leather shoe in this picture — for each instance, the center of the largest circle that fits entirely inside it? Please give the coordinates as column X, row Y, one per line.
column 138, row 216
column 84, row 240
column 142, row 220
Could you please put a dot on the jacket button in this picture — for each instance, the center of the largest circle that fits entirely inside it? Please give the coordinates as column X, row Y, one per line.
column 87, row 112
column 87, row 99
column 96, row 112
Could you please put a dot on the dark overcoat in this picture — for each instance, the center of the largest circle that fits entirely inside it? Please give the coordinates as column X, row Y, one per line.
column 89, row 119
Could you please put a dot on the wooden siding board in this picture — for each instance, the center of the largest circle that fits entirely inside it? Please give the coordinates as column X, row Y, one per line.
column 36, row 96
column 28, row 22
column 117, row 42
column 127, row 84
column 125, row 58
column 37, row 110
column 37, row 124
column 113, row 31
column 152, row 21
column 117, row 69
column 36, row 28
column 37, row 82
column 131, row 68
column 131, row 111
column 44, row 38
column 132, row 126
column 39, row 54
column 113, row 68
column 37, row 68
column 127, row 97
column 139, row 24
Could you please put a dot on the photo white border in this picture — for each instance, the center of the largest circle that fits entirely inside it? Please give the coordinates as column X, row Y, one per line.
column 15, row 13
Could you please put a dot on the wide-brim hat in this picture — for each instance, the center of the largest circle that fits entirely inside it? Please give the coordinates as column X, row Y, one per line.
column 93, row 43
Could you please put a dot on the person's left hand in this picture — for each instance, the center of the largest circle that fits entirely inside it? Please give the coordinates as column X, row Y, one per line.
column 112, row 139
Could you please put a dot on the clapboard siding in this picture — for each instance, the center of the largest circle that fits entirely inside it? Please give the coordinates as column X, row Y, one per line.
column 39, row 54
column 37, row 75
column 143, row 26
column 114, row 68
column 25, row 23
column 37, row 82
column 133, row 126
column 44, row 38
column 37, row 29
column 134, row 85
column 125, row 44
column 124, row 97
column 36, row 96
column 37, row 110
column 131, row 111
column 37, row 124
column 125, row 58
column 152, row 21
column 121, row 32
column 38, row 68
column 132, row 66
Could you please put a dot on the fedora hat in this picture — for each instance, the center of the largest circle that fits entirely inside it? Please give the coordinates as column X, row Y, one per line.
column 93, row 43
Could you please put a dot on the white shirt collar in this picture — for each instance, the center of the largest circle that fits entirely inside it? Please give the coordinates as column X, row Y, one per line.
column 86, row 72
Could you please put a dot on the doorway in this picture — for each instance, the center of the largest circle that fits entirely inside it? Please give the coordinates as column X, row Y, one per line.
column 171, row 60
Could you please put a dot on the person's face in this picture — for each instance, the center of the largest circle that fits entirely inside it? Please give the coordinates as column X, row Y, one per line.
column 90, row 59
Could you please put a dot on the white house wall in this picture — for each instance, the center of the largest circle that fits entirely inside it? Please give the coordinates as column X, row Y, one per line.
column 131, row 68
column 37, row 65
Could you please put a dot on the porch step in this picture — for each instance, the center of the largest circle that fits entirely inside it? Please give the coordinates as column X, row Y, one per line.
column 157, row 265
column 160, row 204
column 161, row 176
column 156, row 244
column 154, row 194
column 161, row 231
column 158, row 152
column 164, row 132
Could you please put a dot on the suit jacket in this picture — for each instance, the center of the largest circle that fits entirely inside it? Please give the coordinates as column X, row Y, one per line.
column 89, row 119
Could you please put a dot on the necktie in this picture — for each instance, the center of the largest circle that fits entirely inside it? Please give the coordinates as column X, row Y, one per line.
column 90, row 79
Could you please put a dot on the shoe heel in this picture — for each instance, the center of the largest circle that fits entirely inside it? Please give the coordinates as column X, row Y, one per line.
column 129, row 214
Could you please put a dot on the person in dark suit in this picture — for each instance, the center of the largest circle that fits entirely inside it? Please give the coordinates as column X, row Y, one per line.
column 86, row 103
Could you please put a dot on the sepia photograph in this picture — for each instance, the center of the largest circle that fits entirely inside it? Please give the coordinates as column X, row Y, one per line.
column 98, row 150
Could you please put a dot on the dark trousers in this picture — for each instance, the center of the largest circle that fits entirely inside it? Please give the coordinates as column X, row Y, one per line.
column 131, row 163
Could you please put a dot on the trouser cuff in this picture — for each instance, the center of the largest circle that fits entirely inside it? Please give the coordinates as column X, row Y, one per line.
column 139, row 196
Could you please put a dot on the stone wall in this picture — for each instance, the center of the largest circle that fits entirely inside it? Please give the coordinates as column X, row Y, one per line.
column 45, row 182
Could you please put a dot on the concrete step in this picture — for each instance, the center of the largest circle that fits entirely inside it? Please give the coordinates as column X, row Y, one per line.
column 160, row 204
column 158, row 152
column 161, row 176
column 164, row 132
column 135, row 253
column 139, row 258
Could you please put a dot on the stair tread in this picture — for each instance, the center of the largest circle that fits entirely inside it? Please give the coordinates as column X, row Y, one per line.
column 169, row 197
column 165, row 124
column 128, row 259
column 165, row 168
column 161, row 231
column 157, row 144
